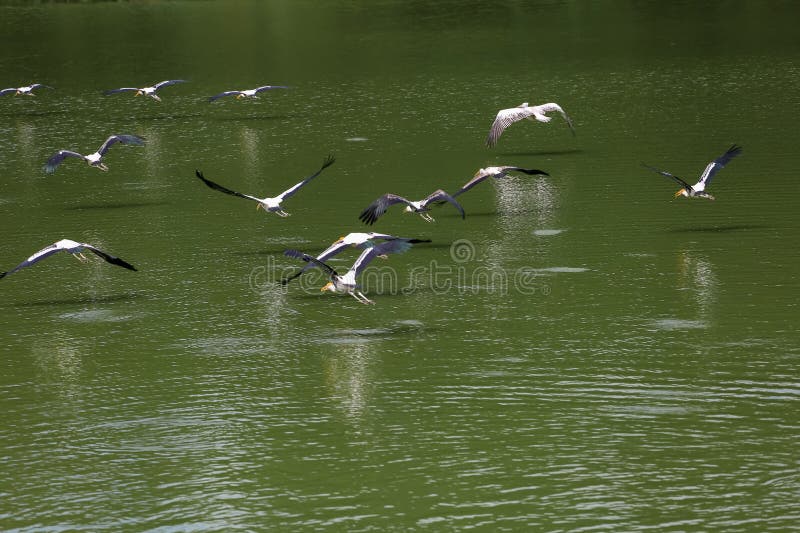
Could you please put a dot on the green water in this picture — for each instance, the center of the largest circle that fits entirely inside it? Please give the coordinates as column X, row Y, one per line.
column 580, row 353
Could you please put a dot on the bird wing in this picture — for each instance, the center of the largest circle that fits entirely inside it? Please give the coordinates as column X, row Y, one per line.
column 58, row 157
column 393, row 246
column 39, row 86
column 290, row 191
column 108, row 257
column 45, row 252
column 505, row 118
column 120, row 90
column 310, row 259
column 166, row 83
column 439, row 196
column 223, row 94
column 330, row 251
column 667, row 174
column 269, row 87
column 546, row 108
column 715, row 166
column 123, row 139
column 374, row 210
column 8, row 91
column 220, row 188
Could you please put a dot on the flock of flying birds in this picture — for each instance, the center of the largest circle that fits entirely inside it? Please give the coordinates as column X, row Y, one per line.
column 372, row 244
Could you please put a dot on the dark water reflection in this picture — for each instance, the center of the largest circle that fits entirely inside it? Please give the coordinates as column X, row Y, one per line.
column 581, row 352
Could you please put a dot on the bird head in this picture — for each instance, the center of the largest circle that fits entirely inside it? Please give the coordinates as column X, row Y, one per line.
column 681, row 192
column 239, row 96
column 259, row 205
column 328, row 287
column 408, row 209
column 138, row 93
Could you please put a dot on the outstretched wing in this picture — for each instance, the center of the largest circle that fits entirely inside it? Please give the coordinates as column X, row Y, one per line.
column 441, row 196
column 310, row 259
column 394, row 246
column 39, row 86
column 45, row 252
column 715, row 166
column 325, row 164
column 108, row 257
column 8, row 91
column 329, row 252
column 222, row 95
column 667, row 174
column 166, row 83
column 269, row 87
column 123, row 139
column 57, row 158
column 374, row 210
column 220, row 188
column 505, row 118
column 120, row 90
column 546, row 108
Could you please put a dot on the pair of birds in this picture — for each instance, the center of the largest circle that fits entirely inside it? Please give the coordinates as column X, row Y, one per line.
column 151, row 91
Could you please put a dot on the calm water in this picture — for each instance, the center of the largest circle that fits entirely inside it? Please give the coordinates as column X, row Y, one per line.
column 581, row 353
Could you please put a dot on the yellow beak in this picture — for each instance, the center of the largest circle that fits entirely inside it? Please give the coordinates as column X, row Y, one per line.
column 326, row 287
column 679, row 193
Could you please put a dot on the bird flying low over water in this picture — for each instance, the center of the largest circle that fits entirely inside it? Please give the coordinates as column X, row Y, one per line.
column 496, row 172
column 27, row 90
column 272, row 205
column 249, row 93
column 145, row 91
column 506, row 117
column 72, row 247
column 95, row 159
column 351, row 240
column 374, row 210
column 346, row 283
column 698, row 190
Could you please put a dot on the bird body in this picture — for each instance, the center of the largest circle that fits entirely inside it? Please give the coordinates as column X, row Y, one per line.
column 146, row 91
column 346, row 283
column 496, row 172
column 698, row 190
column 351, row 240
column 377, row 208
column 248, row 93
column 25, row 91
column 94, row 159
column 73, row 247
column 507, row 117
column 269, row 204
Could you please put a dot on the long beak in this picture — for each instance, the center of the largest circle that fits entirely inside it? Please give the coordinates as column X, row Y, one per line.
column 259, row 206
column 679, row 193
column 326, row 287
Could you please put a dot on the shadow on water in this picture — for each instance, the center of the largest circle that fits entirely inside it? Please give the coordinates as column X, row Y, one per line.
column 717, row 229
column 33, row 113
column 566, row 151
column 254, row 117
column 83, row 300
column 112, row 205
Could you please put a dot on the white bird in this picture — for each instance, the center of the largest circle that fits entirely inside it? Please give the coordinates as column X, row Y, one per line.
column 72, row 247
column 346, row 283
column 95, row 159
column 698, row 190
column 351, row 240
column 272, row 205
column 249, row 93
column 506, row 117
column 374, row 210
column 496, row 172
column 27, row 90
column 145, row 91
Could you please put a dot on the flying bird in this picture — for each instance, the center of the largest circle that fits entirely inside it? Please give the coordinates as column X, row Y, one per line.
column 27, row 90
column 145, row 91
column 346, row 283
column 351, row 240
column 496, row 172
column 506, row 117
column 698, row 190
column 374, row 210
column 249, row 93
column 95, row 159
column 72, row 247
column 272, row 205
